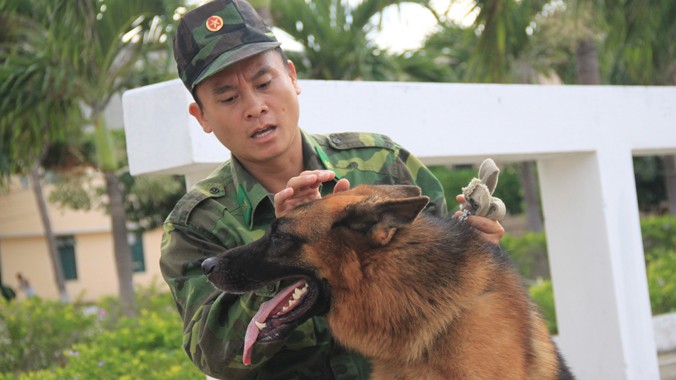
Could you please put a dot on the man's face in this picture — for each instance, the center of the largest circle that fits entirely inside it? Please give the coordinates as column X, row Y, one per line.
column 252, row 108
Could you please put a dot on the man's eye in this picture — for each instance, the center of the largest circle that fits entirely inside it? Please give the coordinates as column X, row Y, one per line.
column 265, row 85
column 228, row 100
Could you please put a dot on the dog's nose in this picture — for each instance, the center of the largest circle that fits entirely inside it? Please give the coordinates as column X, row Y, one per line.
column 208, row 265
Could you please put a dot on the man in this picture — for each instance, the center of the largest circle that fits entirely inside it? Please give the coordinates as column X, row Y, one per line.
column 246, row 93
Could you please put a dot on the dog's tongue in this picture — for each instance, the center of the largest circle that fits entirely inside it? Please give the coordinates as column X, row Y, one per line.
column 263, row 313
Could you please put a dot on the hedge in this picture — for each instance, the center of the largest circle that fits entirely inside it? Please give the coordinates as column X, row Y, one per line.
column 48, row 340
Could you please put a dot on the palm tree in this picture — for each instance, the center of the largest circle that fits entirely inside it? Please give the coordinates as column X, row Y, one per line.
column 647, row 57
column 37, row 106
column 335, row 37
column 619, row 42
column 101, row 45
column 586, row 51
column 501, row 26
column 120, row 32
column 444, row 56
column 497, row 48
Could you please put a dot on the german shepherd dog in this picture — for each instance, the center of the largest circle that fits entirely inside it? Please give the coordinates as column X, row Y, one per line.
column 421, row 297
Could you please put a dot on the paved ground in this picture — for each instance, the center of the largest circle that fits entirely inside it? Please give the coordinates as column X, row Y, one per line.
column 668, row 365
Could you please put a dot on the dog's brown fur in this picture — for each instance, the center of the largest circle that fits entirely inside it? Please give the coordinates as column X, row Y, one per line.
column 423, row 298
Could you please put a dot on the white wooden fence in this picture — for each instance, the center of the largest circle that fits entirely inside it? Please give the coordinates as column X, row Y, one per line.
column 582, row 137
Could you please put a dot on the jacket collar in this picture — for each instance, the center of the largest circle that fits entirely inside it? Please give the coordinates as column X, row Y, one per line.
column 251, row 194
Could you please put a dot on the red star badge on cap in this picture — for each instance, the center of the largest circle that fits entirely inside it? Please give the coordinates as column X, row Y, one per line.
column 214, row 23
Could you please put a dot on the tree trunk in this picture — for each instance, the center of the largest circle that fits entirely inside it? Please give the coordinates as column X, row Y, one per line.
column 669, row 168
column 107, row 161
column 123, row 260
column 531, row 196
column 49, row 234
column 586, row 57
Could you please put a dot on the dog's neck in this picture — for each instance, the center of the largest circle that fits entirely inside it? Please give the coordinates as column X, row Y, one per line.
column 370, row 282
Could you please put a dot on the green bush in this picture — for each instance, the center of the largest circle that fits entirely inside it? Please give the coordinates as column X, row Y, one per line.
column 453, row 180
column 509, row 189
column 659, row 232
column 113, row 346
column 147, row 347
column 529, row 254
column 120, row 364
column 543, row 294
column 661, row 272
column 35, row 333
column 149, row 299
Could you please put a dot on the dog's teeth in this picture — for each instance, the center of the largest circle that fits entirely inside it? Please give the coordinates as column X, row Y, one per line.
column 284, row 309
column 260, row 325
column 299, row 292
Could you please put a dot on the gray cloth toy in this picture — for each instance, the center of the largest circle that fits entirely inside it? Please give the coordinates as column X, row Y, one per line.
column 478, row 194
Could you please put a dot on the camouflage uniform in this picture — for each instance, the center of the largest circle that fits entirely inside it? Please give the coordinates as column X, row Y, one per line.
column 231, row 208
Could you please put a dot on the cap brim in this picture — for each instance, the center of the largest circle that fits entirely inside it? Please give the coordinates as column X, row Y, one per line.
column 233, row 56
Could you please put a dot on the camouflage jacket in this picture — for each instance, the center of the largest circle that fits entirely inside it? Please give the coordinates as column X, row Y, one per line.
column 231, row 208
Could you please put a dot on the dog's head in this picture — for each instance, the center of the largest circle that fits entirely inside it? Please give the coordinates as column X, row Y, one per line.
column 317, row 245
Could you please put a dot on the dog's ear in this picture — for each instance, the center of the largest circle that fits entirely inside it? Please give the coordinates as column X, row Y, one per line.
column 398, row 191
column 380, row 218
column 388, row 191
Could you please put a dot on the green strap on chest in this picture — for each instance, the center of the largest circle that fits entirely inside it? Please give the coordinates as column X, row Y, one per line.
column 245, row 204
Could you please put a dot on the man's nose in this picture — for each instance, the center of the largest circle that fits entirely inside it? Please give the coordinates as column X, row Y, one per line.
column 256, row 107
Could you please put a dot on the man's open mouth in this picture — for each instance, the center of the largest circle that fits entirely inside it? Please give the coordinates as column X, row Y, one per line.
column 277, row 317
column 263, row 131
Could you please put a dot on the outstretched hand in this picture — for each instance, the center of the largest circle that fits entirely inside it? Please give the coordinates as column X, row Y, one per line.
column 305, row 188
column 489, row 230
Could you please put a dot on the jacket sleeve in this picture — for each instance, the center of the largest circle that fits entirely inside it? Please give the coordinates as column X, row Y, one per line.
column 214, row 321
column 421, row 176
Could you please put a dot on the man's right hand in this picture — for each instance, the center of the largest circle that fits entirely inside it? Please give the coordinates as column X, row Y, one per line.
column 304, row 188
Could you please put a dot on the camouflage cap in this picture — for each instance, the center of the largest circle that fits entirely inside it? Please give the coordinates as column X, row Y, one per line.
column 216, row 35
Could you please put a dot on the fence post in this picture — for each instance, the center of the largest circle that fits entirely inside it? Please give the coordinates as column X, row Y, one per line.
column 600, row 284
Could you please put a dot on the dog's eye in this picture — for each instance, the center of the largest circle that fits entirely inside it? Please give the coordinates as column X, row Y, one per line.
column 280, row 238
column 283, row 244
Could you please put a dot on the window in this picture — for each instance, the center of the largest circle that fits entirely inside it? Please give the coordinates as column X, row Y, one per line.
column 66, row 248
column 138, row 262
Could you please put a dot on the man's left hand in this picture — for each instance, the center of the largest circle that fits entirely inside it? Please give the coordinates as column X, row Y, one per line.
column 489, row 230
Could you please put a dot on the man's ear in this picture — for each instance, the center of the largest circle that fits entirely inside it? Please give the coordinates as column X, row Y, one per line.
column 379, row 219
column 197, row 113
column 294, row 76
